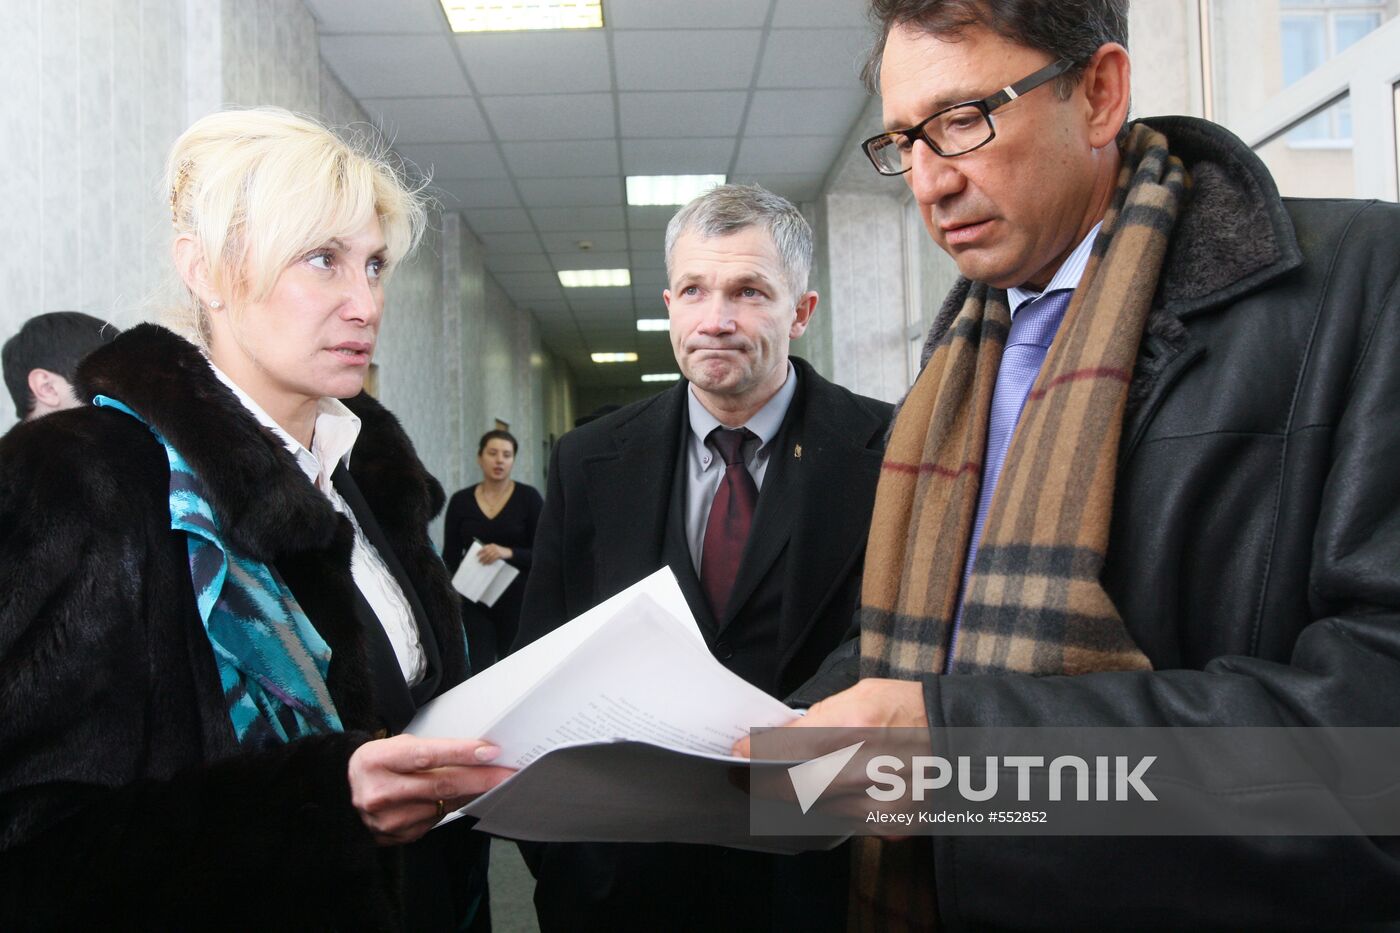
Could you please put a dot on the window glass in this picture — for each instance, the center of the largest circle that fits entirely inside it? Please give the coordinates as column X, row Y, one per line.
column 1307, row 167
column 1260, row 47
column 1349, row 27
column 1303, row 41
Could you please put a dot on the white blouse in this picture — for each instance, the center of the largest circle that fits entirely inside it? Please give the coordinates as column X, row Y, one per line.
column 337, row 428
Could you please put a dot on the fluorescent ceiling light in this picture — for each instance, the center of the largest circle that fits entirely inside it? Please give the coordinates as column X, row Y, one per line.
column 510, row 15
column 649, row 190
column 660, row 377
column 653, row 323
column 614, row 357
column 594, row 278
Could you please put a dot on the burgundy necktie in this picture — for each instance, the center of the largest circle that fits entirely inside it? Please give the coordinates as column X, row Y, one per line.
column 731, row 516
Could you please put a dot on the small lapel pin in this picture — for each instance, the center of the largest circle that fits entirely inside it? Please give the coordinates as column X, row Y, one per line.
column 797, row 452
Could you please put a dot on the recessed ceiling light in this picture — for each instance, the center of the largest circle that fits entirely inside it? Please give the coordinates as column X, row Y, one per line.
column 649, row 190
column 614, row 357
column 594, row 278
column 653, row 323
column 660, row 377
column 510, row 15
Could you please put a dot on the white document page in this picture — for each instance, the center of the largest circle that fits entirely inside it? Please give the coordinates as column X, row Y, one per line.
column 505, row 573
column 468, row 709
column 472, row 576
column 633, row 729
column 595, row 703
column 637, row 677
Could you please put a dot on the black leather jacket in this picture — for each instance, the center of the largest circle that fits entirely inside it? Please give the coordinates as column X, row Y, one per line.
column 1254, row 555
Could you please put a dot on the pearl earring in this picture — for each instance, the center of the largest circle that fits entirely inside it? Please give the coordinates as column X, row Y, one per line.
column 216, row 304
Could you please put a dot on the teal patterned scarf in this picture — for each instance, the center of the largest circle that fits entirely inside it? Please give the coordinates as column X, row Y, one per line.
column 272, row 662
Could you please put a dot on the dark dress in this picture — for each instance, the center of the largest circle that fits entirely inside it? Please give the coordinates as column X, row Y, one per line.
column 491, row 629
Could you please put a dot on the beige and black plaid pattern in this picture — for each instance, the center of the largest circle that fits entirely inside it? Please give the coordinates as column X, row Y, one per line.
column 1034, row 603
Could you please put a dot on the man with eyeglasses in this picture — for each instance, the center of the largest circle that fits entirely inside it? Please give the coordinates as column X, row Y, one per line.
column 1146, row 477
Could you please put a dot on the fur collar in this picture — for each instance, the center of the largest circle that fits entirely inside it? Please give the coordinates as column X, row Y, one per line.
column 1233, row 235
column 263, row 501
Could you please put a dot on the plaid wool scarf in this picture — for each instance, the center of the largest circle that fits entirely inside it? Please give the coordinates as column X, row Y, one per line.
column 1034, row 604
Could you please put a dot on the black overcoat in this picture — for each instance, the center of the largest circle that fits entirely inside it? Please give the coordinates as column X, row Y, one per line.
column 1254, row 556
column 614, row 514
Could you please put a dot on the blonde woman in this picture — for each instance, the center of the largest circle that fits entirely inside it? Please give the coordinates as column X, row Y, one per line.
column 216, row 584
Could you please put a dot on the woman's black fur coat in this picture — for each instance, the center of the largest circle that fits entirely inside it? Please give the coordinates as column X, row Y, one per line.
column 124, row 799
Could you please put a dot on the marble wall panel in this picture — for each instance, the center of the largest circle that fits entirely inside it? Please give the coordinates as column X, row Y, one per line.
column 202, row 48
column 864, row 239
column 270, row 55
column 814, row 345
column 237, row 32
column 450, row 369
column 529, row 384
column 499, row 397
column 164, row 99
column 21, row 167
column 409, row 358
column 96, row 250
column 61, row 144
column 132, row 190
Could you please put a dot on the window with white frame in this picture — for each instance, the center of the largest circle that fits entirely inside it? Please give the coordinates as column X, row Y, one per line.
column 1311, row 32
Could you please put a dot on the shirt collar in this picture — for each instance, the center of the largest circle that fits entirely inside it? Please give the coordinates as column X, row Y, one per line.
column 1066, row 277
column 337, row 428
column 766, row 421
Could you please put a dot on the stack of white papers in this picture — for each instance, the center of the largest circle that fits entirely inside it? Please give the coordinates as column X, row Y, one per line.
column 622, row 724
column 482, row 583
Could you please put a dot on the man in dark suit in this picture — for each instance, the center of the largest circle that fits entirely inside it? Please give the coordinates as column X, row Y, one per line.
column 753, row 480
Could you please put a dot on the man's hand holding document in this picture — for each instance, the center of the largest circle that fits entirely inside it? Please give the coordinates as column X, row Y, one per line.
column 622, row 725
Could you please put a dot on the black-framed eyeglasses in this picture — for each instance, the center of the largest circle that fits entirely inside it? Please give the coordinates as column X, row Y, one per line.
column 953, row 130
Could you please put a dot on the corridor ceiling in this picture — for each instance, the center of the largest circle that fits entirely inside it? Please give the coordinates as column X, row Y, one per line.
column 531, row 134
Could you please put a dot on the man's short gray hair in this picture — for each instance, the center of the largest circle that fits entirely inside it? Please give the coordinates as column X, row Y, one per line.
column 729, row 209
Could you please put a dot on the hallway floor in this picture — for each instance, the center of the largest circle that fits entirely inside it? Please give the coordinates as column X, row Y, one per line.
column 512, row 890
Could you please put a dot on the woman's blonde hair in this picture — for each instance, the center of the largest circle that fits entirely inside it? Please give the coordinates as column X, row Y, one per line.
column 257, row 189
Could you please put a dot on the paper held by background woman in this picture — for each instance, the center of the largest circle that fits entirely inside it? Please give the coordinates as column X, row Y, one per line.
column 482, row 583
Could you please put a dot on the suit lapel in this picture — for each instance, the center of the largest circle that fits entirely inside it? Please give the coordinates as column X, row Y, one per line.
column 830, row 518
column 350, row 492
column 629, row 493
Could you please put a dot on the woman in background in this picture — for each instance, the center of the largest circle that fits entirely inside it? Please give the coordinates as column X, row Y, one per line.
column 217, row 591
column 502, row 515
